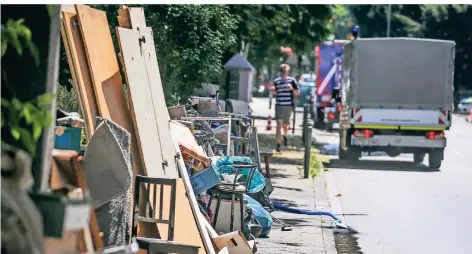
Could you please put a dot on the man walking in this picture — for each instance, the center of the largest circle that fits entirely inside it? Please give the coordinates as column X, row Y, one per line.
column 284, row 88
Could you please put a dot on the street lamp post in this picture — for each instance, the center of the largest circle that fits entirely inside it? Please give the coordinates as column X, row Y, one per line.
column 389, row 17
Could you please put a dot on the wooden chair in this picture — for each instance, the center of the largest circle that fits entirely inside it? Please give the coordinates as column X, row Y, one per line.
column 153, row 245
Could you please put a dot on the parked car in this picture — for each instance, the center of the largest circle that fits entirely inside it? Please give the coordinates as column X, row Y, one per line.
column 465, row 105
column 307, row 85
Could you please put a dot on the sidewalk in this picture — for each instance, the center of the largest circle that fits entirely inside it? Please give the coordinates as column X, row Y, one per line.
column 310, row 234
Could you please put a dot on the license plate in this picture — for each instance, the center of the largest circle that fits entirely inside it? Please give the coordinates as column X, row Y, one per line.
column 365, row 141
column 330, row 109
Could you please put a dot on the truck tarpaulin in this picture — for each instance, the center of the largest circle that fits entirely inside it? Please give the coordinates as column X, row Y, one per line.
column 399, row 73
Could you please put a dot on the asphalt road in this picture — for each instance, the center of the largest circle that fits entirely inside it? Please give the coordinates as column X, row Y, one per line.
column 398, row 207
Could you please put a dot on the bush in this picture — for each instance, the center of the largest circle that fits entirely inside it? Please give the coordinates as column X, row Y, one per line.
column 66, row 99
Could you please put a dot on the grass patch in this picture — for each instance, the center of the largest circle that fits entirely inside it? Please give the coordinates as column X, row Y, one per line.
column 316, row 164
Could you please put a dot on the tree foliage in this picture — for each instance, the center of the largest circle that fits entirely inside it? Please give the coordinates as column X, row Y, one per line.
column 190, row 41
column 267, row 27
column 193, row 41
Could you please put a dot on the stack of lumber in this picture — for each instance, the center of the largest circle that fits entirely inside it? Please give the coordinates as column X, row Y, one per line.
column 141, row 111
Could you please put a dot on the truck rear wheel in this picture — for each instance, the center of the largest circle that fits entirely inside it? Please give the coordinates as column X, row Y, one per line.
column 418, row 157
column 435, row 159
column 328, row 127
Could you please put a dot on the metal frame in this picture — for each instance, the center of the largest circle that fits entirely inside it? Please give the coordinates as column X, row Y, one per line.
column 204, row 118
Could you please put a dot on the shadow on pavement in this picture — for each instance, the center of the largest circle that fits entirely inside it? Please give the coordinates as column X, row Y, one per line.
column 268, row 140
column 278, row 173
column 285, row 202
column 300, row 222
column 286, row 161
column 382, row 165
column 287, row 188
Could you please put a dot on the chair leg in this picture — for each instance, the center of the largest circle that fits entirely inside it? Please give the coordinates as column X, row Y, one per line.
column 266, row 160
column 241, row 207
column 218, row 203
column 231, row 225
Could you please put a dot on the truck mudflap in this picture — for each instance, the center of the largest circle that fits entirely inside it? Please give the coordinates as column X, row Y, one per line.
column 397, row 141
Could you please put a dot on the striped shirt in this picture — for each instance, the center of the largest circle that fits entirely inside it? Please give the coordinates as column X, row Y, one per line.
column 283, row 95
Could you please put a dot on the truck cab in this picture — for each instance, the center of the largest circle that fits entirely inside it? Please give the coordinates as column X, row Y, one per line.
column 329, row 72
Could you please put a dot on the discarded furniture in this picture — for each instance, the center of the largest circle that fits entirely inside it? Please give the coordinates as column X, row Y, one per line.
column 266, row 154
column 155, row 187
column 236, row 190
column 67, row 170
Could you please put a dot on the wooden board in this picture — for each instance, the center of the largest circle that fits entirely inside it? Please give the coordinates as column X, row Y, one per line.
column 79, row 68
column 102, row 61
column 70, row 163
column 137, row 18
column 145, row 121
column 105, row 74
column 158, row 99
column 158, row 104
column 123, row 17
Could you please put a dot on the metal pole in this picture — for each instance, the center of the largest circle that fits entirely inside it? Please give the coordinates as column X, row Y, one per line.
column 305, row 117
column 306, row 164
column 389, row 18
column 294, row 112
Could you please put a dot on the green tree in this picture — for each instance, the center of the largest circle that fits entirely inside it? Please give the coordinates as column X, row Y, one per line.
column 262, row 29
column 190, row 41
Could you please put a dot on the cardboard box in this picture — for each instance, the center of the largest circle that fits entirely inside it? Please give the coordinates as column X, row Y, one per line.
column 232, row 243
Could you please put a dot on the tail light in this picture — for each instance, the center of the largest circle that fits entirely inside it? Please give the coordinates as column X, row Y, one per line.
column 330, row 115
column 364, row 133
column 340, row 107
column 435, row 135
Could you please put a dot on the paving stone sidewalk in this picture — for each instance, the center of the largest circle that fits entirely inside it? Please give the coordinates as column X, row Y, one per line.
column 310, row 234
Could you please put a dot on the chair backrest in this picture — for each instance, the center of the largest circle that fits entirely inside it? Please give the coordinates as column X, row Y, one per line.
column 154, row 211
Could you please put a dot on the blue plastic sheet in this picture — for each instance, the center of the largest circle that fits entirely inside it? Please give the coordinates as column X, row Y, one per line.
column 224, row 165
column 262, row 215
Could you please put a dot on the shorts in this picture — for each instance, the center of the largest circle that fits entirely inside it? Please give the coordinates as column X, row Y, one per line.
column 283, row 113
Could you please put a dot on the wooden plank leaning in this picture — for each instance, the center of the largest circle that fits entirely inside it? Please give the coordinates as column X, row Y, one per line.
column 79, row 68
column 105, row 73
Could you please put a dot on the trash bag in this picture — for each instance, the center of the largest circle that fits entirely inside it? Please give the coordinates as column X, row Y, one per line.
column 262, row 215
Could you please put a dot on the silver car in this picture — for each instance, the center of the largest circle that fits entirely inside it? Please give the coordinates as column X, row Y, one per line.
column 465, row 105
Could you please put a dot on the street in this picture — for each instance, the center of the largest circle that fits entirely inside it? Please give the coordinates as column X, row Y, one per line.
column 396, row 206
column 399, row 208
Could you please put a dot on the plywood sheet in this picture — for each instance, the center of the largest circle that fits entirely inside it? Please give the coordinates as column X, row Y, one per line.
column 105, row 74
column 79, row 67
column 145, row 121
column 102, row 60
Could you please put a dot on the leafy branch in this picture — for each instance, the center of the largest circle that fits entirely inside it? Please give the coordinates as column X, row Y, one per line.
column 33, row 113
